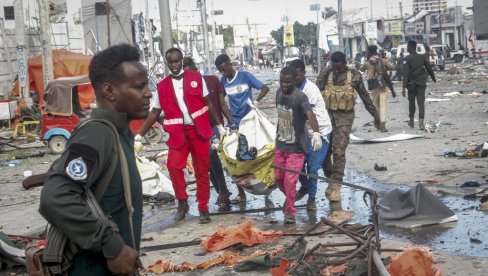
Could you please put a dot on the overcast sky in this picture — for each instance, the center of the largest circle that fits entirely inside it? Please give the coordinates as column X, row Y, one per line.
column 270, row 13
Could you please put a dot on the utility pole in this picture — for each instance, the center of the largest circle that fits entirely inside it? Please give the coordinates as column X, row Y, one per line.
column 214, row 25
column 107, row 10
column 439, row 35
column 203, row 10
column 166, row 34
column 317, row 9
column 6, row 50
column 341, row 25
column 403, row 22
column 371, row 8
column 149, row 28
column 22, row 54
column 45, row 30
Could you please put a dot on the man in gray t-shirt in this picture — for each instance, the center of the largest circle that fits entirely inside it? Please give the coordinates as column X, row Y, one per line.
column 292, row 137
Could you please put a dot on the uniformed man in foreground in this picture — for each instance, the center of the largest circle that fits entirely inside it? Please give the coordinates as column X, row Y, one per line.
column 338, row 84
column 121, row 88
column 415, row 80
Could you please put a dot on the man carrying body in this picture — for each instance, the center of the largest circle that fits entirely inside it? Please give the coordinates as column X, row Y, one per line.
column 216, row 95
column 339, row 84
column 292, row 139
column 186, row 106
column 415, row 80
column 238, row 87
column 121, row 88
column 376, row 67
column 313, row 159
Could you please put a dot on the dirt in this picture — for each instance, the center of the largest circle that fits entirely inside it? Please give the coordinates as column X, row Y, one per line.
column 463, row 125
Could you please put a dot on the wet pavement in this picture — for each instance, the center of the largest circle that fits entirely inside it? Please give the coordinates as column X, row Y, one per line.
column 467, row 236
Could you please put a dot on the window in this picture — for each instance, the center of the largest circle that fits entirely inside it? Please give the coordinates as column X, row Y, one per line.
column 8, row 11
column 100, row 8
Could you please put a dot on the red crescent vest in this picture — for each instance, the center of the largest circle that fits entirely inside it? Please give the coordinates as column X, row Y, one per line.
column 197, row 107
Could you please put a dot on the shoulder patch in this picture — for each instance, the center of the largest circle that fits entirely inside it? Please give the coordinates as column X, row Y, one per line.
column 77, row 169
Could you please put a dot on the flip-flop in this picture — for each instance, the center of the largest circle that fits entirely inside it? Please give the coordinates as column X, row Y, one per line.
column 237, row 200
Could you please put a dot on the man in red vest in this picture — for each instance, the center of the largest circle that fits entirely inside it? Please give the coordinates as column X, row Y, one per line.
column 183, row 96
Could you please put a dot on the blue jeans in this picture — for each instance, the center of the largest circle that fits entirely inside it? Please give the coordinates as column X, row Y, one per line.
column 216, row 172
column 313, row 162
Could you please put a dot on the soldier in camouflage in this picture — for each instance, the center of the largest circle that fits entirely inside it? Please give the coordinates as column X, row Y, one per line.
column 340, row 85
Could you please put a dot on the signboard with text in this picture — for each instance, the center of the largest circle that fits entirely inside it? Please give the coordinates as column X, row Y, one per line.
column 371, row 30
column 416, row 28
column 288, row 37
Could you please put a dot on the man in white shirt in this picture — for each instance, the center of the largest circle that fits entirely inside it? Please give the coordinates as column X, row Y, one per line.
column 314, row 159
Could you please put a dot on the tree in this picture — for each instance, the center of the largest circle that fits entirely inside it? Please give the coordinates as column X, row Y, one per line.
column 228, row 34
column 304, row 34
column 328, row 12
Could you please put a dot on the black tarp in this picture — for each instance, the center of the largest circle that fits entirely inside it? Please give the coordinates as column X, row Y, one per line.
column 413, row 208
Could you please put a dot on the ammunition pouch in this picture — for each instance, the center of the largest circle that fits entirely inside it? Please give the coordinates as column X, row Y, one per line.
column 339, row 97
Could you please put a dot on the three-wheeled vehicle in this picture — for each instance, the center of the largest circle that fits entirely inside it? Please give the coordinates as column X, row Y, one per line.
column 62, row 111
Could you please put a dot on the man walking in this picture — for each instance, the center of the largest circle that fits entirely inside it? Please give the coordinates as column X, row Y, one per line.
column 216, row 95
column 415, row 80
column 292, row 142
column 376, row 67
column 238, row 86
column 186, row 106
column 313, row 159
column 338, row 84
column 122, row 93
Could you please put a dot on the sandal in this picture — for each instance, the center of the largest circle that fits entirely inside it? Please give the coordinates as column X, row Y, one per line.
column 238, row 200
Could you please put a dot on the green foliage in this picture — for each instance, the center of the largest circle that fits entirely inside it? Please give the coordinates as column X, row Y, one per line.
column 228, row 34
column 304, row 34
column 328, row 12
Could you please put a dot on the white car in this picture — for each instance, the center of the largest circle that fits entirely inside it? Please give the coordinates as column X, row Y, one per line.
column 456, row 55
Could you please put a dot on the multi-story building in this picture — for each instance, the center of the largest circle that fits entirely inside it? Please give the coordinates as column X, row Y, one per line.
column 429, row 5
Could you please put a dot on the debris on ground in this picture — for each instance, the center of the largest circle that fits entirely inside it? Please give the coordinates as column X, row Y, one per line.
column 238, row 234
column 413, row 208
column 392, row 138
column 381, row 168
column 414, row 261
column 470, row 184
column 479, row 151
column 432, row 128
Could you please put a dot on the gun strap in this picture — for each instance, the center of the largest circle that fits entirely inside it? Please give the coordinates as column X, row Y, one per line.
column 125, row 180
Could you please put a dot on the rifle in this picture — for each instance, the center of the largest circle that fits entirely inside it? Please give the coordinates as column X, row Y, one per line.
column 385, row 75
column 36, row 180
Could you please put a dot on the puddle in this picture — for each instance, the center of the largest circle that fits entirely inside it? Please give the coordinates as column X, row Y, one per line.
column 452, row 237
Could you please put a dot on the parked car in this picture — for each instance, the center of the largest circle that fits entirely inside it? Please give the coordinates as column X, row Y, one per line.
column 456, row 55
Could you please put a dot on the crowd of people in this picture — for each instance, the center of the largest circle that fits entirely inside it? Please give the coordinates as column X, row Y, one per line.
column 314, row 123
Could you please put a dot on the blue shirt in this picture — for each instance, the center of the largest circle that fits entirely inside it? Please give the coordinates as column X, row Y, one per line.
column 238, row 90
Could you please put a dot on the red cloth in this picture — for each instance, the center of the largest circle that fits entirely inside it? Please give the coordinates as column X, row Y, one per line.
column 199, row 149
column 195, row 102
column 215, row 88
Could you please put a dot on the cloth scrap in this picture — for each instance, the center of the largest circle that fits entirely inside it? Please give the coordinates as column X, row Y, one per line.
column 242, row 233
column 413, row 261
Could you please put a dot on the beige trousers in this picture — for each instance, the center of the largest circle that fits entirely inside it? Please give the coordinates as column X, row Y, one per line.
column 379, row 97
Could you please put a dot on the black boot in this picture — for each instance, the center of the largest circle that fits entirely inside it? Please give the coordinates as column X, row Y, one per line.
column 182, row 210
column 204, row 217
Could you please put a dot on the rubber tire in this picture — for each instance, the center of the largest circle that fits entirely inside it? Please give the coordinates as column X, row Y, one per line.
column 57, row 144
column 458, row 58
column 154, row 135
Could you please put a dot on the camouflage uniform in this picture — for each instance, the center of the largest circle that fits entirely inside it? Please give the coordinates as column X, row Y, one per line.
column 342, row 121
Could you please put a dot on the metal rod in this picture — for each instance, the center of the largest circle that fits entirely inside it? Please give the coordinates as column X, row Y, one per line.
column 340, row 244
column 325, row 179
column 379, row 264
column 333, row 225
column 253, row 210
column 353, row 254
